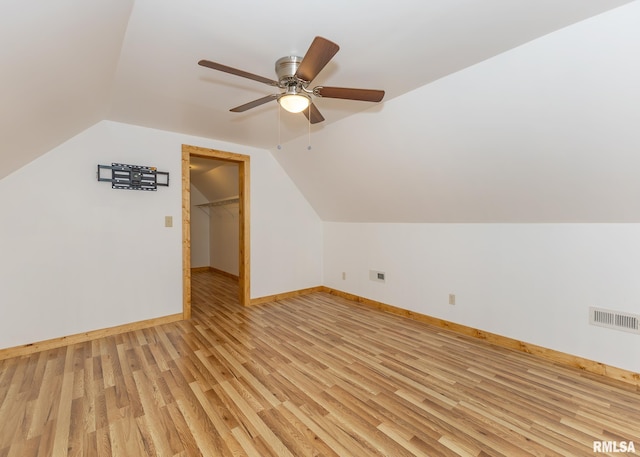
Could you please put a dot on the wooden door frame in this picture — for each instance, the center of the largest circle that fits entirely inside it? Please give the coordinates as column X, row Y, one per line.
column 244, row 277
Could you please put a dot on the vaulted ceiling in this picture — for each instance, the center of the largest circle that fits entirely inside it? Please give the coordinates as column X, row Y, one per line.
column 67, row 64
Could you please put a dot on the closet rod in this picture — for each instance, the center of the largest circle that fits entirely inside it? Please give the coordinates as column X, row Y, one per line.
column 224, row 201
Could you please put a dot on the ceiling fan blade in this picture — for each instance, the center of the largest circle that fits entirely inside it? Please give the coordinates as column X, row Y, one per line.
column 235, row 71
column 253, row 104
column 314, row 113
column 366, row 95
column 318, row 55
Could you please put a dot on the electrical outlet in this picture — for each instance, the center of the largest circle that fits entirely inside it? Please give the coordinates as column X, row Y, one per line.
column 452, row 299
column 344, row 275
column 168, row 221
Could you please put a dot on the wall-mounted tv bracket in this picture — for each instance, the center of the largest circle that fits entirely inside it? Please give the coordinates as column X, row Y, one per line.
column 133, row 177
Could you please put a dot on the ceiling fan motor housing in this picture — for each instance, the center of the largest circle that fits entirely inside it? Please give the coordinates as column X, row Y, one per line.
column 286, row 68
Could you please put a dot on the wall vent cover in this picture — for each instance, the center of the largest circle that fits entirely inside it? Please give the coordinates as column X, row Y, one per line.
column 614, row 319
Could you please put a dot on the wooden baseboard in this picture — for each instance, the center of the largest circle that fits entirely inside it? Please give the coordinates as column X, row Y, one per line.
column 552, row 355
column 282, row 296
column 215, row 270
column 561, row 358
column 32, row 348
column 224, row 273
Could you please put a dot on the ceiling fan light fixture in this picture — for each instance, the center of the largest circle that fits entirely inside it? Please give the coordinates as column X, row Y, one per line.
column 295, row 75
column 294, row 103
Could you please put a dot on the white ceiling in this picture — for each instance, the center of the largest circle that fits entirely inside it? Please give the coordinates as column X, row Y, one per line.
column 67, row 64
column 547, row 132
column 395, row 46
column 58, row 62
column 214, row 179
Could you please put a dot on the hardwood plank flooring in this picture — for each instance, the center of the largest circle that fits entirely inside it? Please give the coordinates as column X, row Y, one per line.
column 313, row 375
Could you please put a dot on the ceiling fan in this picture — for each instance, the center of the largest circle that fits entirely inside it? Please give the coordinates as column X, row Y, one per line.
column 294, row 76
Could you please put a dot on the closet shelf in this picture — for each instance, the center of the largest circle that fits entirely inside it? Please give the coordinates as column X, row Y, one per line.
column 224, row 201
column 221, row 203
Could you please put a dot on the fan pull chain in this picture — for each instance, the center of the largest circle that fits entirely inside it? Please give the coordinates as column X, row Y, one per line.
column 279, row 142
column 309, row 117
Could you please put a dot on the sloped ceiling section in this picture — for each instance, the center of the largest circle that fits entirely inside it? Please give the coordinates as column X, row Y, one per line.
column 215, row 179
column 67, row 64
column 395, row 46
column 58, row 60
column 547, row 132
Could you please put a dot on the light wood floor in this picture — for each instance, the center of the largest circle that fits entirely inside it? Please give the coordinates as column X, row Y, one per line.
column 314, row 375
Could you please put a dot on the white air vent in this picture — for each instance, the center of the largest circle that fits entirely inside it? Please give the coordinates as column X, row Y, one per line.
column 378, row 276
column 614, row 319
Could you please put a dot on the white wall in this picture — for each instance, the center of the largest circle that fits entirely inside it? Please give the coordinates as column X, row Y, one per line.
column 199, row 230
column 224, row 223
column 78, row 256
column 530, row 282
column 224, row 230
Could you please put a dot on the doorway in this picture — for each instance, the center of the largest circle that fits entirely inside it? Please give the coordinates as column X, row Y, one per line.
column 242, row 161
